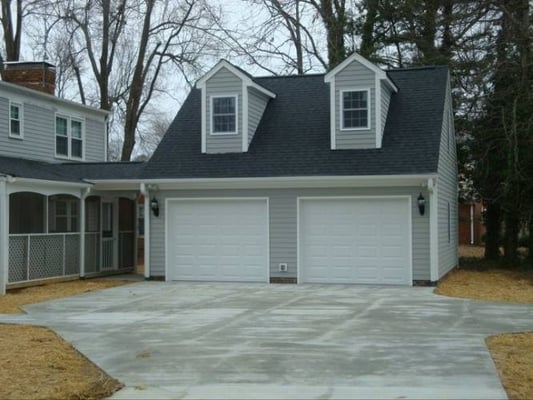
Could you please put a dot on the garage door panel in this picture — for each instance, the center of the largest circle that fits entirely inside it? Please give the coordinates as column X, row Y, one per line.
column 354, row 240
column 218, row 240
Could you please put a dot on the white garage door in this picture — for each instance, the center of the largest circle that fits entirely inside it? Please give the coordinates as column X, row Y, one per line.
column 217, row 240
column 351, row 240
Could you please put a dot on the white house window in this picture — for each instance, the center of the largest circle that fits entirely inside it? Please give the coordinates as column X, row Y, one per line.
column 76, row 139
column 64, row 214
column 224, row 115
column 355, row 109
column 15, row 120
column 69, row 137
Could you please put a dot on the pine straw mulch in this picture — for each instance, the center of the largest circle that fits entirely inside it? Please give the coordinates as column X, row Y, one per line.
column 512, row 353
column 38, row 364
column 15, row 298
column 513, row 356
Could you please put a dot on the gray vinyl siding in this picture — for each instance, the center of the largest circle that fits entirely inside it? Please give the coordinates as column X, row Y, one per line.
column 38, row 141
column 224, row 83
column 447, row 192
column 283, row 223
column 385, row 101
column 257, row 103
column 95, row 138
column 355, row 76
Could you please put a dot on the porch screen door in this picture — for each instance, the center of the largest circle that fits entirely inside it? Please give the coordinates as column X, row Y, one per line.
column 108, row 237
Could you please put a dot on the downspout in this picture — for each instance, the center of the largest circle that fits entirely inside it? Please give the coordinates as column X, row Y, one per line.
column 433, row 230
column 84, row 193
column 4, row 233
column 146, row 194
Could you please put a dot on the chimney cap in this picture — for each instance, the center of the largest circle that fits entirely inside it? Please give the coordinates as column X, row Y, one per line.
column 28, row 64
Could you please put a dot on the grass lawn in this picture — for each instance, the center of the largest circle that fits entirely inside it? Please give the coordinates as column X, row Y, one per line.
column 37, row 363
column 512, row 353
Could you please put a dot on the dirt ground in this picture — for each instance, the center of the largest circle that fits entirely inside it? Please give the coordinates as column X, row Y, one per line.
column 512, row 353
column 38, row 364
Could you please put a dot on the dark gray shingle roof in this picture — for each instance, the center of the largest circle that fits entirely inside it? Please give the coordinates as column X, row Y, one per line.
column 21, row 168
column 293, row 137
column 69, row 172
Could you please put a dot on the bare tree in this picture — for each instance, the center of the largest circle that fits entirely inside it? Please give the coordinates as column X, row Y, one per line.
column 12, row 28
column 130, row 46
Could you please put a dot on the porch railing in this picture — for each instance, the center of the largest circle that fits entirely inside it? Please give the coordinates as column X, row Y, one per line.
column 92, row 252
column 43, row 255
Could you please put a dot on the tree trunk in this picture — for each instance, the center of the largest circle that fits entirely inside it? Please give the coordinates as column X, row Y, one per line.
column 447, row 35
column 530, row 241
column 334, row 16
column 12, row 34
column 510, row 244
column 426, row 43
column 367, row 36
column 492, row 236
column 136, row 89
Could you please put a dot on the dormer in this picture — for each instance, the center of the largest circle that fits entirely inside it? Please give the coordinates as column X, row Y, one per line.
column 360, row 94
column 232, row 106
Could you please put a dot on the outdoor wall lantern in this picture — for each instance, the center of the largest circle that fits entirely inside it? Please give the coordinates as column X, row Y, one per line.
column 421, row 204
column 154, row 205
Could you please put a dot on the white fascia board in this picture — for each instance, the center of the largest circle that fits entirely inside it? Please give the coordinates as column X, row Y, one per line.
column 44, row 182
column 377, row 111
column 332, row 116
column 245, row 125
column 361, row 60
column 390, row 83
column 270, row 182
column 49, row 98
column 260, row 88
column 200, row 84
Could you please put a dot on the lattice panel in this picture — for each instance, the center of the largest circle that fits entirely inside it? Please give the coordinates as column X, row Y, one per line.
column 92, row 252
column 46, row 256
column 72, row 255
column 18, row 259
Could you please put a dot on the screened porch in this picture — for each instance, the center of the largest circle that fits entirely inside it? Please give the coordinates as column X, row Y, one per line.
column 45, row 236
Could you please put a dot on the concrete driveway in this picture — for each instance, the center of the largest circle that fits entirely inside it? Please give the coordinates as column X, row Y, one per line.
column 196, row 340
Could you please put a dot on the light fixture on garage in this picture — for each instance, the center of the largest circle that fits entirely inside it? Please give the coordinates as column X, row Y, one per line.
column 154, row 205
column 421, row 204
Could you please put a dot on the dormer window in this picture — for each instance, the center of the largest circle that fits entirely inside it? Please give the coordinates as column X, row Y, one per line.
column 224, row 115
column 355, row 109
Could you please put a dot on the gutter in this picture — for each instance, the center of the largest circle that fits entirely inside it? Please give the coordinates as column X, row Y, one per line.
column 145, row 192
column 268, row 182
column 49, row 182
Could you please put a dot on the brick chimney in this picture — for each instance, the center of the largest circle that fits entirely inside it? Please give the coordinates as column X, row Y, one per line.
column 38, row 75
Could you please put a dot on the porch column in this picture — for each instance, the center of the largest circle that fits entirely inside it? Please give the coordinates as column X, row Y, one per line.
column 84, row 194
column 146, row 195
column 4, row 235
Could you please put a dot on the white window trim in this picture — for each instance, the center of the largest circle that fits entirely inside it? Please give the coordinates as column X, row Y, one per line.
column 69, row 119
column 21, row 120
column 341, row 109
column 211, row 119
